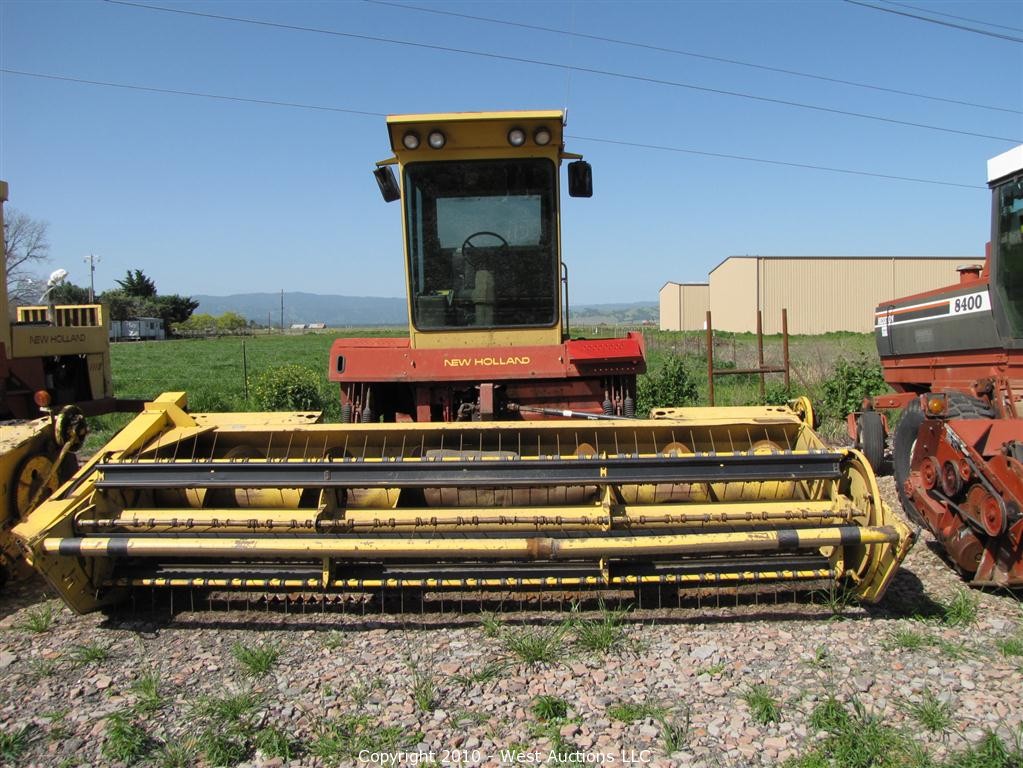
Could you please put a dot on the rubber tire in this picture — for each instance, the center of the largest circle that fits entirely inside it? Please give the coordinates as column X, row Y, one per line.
column 905, row 438
column 870, row 438
column 961, row 406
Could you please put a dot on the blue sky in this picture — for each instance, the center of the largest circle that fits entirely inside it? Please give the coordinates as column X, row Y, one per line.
column 217, row 197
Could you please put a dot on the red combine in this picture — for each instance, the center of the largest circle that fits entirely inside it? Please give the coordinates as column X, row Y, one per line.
column 955, row 358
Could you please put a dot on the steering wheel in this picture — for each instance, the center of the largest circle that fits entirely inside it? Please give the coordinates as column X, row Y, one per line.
column 468, row 246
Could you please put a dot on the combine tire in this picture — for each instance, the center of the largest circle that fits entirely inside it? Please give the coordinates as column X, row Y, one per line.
column 902, row 455
column 962, row 406
column 870, row 438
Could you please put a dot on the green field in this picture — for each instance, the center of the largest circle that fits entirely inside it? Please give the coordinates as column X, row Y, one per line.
column 214, row 371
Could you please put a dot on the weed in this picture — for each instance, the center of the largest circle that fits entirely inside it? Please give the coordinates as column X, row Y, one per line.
column 837, row 598
column 360, row 692
column 630, row 712
column 147, row 692
column 856, row 740
column 548, row 708
column 674, row 731
column 125, row 741
column 821, row 657
column 93, row 653
column 334, row 640
column 223, row 747
column 233, row 708
column 12, row 744
column 907, row 639
column 343, row 738
column 955, row 651
column 490, row 625
column 931, row 712
column 1010, row 646
column 273, row 742
column 714, row 669
column 989, row 752
column 536, row 645
column 468, row 716
column 486, row 673
column 177, row 755
column 762, row 705
column 257, row 660
column 38, row 620
column 601, row 635
column 40, row 668
column 58, row 726
column 961, row 610
column 424, row 692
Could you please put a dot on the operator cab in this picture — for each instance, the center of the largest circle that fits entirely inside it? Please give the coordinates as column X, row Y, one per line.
column 480, row 200
column 1005, row 174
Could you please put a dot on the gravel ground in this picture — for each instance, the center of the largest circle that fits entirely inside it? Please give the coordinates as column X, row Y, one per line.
column 444, row 685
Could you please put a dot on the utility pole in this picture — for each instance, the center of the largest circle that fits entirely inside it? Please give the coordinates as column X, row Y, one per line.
column 91, row 259
column 282, row 310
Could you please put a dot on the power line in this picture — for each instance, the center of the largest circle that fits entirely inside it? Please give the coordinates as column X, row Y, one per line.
column 951, row 15
column 938, row 21
column 680, row 52
column 746, row 158
column 570, row 67
column 200, row 94
column 364, row 113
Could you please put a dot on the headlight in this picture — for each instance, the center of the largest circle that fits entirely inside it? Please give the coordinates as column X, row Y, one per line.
column 410, row 140
column 542, row 136
column 436, row 139
column 516, row 137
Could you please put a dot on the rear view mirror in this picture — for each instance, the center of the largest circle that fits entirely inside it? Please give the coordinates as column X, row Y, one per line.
column 388, row 184
column 580, row 179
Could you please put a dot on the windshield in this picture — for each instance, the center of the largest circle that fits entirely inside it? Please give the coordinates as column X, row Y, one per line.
column 481, row 243
column 1008, row 237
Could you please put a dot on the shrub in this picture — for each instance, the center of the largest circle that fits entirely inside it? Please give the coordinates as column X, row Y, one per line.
column 288, row 388
column 850, row 382
column 669, row 386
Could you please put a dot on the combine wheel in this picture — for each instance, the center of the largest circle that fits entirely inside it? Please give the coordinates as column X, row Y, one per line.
column 902, row 455
column 870, row 438
column 962, row 406
column 32, row 474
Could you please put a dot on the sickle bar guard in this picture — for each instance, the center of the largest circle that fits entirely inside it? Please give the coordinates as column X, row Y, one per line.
column 278, row 502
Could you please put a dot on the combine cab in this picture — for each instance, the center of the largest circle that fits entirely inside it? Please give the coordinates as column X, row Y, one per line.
column 488, row 336
column 955, row 358
column 436, row 481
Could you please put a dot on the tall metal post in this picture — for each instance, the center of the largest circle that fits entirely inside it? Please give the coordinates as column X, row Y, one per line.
column 710, row 359
column 760, row 352
column 785, row 344
column 91, row 260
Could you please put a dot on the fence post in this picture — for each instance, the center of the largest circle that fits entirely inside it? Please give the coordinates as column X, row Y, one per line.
column 710, row 359
column 245, row 370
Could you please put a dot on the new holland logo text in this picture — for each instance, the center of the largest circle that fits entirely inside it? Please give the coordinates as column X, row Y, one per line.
column 58, row 338
column 465, row 362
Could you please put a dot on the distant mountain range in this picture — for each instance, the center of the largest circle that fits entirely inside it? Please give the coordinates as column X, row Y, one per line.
column 359, row 311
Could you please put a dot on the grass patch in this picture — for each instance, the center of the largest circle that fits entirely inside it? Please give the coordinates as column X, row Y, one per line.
column 229, row 728
column 630, row 712
column 931, row 712
column 226, row 710
column 14, row 743
column 1010, row 646
column 489, row 671
column 762, row 706
column 58, row 724
column 40, row 668
column 92, row 653
column 177, row 755
column 961, row 610
column 989, row 752
column 39, row 619
column 223, row 747
column 334, row 639
column 713, row 669
column 601, row 635
column 536, row 645
column 342, row 738
column 907, row 639
column 360, row 691
column 424, row 690
column 674, row 731
column 274, row 742
column 490, row 625
column 126, row 741
column 463, row 716
column 549, row 708
column 256, row 660
column 147, row 692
